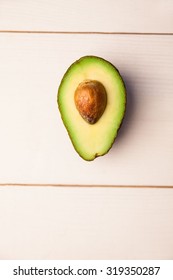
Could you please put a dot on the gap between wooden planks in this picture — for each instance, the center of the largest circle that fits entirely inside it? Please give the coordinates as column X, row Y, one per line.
column 82, row 185
column 85, row 32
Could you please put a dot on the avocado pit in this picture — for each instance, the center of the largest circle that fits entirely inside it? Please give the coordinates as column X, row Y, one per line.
column 90, row 99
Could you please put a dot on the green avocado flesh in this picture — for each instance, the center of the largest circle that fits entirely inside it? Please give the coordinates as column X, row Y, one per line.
column 92, row 140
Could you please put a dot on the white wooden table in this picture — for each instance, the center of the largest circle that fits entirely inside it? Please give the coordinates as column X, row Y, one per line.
column 54, row 205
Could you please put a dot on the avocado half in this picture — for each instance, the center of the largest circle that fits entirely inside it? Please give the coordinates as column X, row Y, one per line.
column 92, row 101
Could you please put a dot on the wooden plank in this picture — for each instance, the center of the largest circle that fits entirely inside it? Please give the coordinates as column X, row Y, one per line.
column 104, row 16
column 78, row 223
column 35, row 147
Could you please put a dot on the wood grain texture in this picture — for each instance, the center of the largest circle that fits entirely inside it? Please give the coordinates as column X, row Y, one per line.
column 35, row 147
column 81, row 223
column 99, row 15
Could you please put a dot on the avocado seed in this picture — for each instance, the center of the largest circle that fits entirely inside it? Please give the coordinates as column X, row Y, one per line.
column 90, row 100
